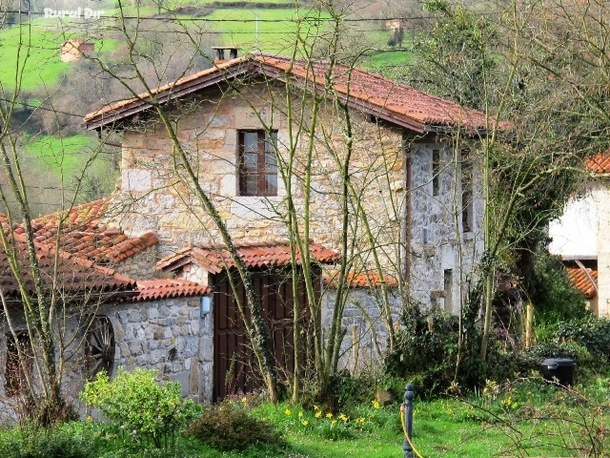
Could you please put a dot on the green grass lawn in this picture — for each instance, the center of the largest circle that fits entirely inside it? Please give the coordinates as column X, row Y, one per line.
column 272, row 30
column 524, row 419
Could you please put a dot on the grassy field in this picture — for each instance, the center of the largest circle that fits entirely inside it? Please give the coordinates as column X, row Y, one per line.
column 30, row 54
column 266, row 30
column 69, row 154
column 526, row 418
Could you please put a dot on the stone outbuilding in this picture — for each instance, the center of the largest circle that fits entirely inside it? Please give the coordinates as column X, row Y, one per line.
column 73, row 50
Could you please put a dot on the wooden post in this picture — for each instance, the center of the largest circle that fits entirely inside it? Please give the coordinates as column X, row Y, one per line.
column 529, row 324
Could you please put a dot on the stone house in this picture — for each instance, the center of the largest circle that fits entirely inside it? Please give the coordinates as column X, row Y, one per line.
column 380, row 186
column 580, row 237
column 414, row 209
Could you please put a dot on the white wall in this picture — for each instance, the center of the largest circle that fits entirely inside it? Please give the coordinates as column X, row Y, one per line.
column 574, row 234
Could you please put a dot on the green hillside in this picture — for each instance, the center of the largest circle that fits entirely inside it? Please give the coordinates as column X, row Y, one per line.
column 31, row 54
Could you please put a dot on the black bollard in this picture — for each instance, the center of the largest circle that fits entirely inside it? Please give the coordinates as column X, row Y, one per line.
column 408, row 413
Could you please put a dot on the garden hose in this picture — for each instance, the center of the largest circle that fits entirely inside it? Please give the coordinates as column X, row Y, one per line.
column 404, row 430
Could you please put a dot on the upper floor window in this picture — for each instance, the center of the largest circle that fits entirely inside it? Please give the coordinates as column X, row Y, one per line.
column 257, row 163
column 467, row 194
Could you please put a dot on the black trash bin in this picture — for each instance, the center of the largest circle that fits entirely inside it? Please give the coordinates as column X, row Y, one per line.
column 560, row 370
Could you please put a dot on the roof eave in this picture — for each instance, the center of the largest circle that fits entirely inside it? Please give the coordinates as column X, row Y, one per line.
column 143, row 103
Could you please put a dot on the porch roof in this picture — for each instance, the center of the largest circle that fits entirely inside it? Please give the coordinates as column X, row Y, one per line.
column 217, row 258
column 150, row 290
column 362, row 280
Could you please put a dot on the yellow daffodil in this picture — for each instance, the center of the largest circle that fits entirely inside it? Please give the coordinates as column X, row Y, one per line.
column 304, row 422
column 318, row 414
column 329, row 415
column 343, row 417
column 288, row 412
column 375, row 404
column 334, row 422
column 300, row 414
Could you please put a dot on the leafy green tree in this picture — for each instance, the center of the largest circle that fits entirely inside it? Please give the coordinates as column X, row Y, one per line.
column 544, row 124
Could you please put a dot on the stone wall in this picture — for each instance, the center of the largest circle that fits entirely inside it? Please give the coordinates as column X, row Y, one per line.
column 157, row 200
column 441, row 251
column 366, row 330
column 168, row 336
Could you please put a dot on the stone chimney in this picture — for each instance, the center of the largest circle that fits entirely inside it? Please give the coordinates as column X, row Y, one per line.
column 221, row 53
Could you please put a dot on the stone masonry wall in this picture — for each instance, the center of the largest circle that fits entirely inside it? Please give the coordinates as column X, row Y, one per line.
column 366, row 330
column 439, row 244
column 168, row 336
column 156, row 199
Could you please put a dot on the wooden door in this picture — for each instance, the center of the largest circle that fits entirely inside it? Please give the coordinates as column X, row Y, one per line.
column 235, row 367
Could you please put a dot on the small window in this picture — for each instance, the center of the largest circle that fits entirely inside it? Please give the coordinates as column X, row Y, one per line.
column 436, row 172
column 17, row 371
column 467, row 194
column 448, row 289
column 257, row 163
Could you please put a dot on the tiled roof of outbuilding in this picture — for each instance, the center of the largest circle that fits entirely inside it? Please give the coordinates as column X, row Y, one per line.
column 149, row 290
column 581, row 280
column 215, row 258
column 372, row 94
column 83, row 234
column 364, row 280
column 599, row 163
column 74, row 277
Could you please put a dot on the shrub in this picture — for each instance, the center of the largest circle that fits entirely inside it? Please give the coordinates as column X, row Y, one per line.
column 591, row 332
column 68, row 440
column 425, row 351
column 228, row 426
column 135, row 404
column 554, row 295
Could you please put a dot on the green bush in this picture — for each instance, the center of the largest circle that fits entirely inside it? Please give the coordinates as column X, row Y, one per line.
column 229, row 426
column 425, row 353
column 68, row 440
column 591, row 332
column 553, row 294
column 139, row 408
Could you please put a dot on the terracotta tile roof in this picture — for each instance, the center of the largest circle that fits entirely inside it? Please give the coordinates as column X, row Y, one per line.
column 150, row 290
column 598, row 163
column 368, row 92
column 363, row 280
column 215, row 259
column 75, row 277
column 581, row 281
column 83, row 234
